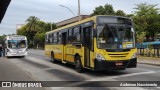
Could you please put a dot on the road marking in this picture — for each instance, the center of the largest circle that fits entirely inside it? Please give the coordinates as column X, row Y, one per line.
column 120, row 76
column 143, row 69
column 106, row 79
column 157, row 87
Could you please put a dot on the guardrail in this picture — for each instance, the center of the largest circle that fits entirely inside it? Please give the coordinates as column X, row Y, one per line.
column 149, row 53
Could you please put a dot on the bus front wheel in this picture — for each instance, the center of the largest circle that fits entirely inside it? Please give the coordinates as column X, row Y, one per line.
column 52, row 57
column 78, row 64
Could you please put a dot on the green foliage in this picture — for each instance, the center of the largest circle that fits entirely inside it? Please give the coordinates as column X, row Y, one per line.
column 35, row 31
column 130, row 15
column 1, row 38
column 147, row 19
column 141, row 37
column 108, row 9
column 143, row 9
column 150, row 47
column 39, row 39
column 104, row 10
column 120, row 13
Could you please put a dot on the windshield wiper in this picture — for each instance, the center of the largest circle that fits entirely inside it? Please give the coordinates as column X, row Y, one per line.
column 110, row 30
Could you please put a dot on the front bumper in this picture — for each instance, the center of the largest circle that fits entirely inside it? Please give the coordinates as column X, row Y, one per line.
column 111, row 65
column 17, row 54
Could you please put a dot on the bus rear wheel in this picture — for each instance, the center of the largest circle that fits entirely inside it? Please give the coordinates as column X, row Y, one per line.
column 52, row 58
column 78, row 64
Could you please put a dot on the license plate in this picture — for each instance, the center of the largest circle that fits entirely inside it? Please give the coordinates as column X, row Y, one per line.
column 119, row 63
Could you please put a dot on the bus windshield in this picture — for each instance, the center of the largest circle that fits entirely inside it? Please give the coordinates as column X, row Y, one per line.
column 17, row 44
column 114, row 36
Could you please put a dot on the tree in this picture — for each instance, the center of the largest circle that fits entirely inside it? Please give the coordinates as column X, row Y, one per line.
column 98, row 11
column 130, row 15
column 32, row 23
column 103, row 10
column 141, row 38
column 146, row 9
column 39, row 40
column 109, row 9
column 35, row 31
column 146, row 19
column 120, row 13
column 32, row 27
column 153, row 27
column 1, row 38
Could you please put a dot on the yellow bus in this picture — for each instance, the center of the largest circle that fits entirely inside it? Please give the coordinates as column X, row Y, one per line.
column 96, row 43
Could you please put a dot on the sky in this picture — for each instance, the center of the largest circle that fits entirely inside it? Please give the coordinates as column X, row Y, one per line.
column 50, row 11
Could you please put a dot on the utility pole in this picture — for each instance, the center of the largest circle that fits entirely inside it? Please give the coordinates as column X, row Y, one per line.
column 79, row 10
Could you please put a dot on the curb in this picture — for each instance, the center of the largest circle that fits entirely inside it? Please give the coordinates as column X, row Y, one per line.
column 149, row 63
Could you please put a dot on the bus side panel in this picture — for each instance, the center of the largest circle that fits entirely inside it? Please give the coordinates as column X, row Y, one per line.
column 69, row 53
column 57, row 50
column 47, row 50
column 93, row 54
column 79, row 50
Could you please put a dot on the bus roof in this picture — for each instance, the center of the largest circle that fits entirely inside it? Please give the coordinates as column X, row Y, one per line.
column 82, row 21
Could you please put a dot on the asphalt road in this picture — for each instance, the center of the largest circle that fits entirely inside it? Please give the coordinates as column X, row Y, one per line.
column 37, row 67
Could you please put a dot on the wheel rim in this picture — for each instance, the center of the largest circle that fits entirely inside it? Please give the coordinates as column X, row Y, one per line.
column 77, row 63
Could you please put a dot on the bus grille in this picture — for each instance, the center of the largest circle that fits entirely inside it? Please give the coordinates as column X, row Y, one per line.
column 118, row 55
column 118, row 50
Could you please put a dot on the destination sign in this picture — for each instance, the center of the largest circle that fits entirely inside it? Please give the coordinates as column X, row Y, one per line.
column 16, row 37
column 114, row 20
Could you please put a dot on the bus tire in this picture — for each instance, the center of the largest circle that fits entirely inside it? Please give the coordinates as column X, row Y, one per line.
column 52, row 57
column 78, row 64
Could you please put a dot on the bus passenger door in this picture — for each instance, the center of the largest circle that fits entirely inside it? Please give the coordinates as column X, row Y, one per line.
column 64, row 41
column 87, row 43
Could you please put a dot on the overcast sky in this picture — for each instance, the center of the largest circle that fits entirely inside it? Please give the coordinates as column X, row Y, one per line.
column 50, row 11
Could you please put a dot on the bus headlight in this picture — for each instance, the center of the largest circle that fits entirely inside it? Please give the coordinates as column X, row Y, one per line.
column 99, row 57
column 134, row 55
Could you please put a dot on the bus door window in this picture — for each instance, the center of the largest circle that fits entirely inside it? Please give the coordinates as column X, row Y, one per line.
column 86, row 33
column 76, row 34
column 70, row 35
column 87, row 45
column 64, row 38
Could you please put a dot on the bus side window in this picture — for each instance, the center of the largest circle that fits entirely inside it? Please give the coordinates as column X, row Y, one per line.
column 50, row 39
column 59, row 37
column 76, row 35
column 70, row 33
column 46, row 39
column 55, row 38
